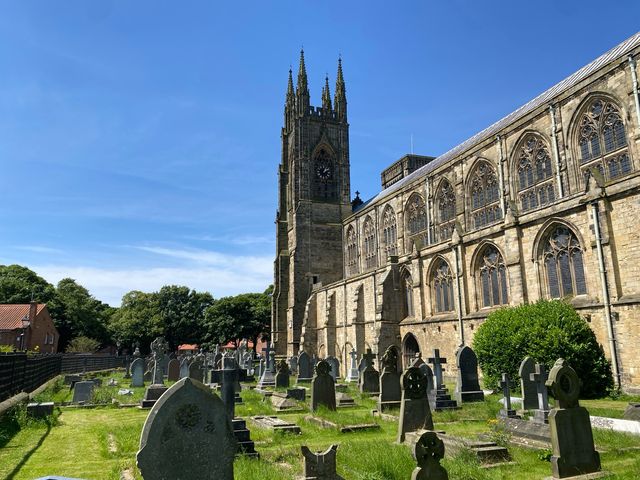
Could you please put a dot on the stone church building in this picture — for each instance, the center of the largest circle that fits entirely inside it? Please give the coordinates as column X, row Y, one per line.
column 544, row 203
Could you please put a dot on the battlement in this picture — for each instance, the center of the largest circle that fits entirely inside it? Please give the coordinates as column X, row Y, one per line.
column 320, row 112
column 402, row 168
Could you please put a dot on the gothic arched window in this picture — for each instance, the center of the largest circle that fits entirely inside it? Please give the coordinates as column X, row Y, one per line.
column 492, row 275
column 485, row 195
column 416, row 214
column 325, row 181
column 563, row 264
column 535, row 176
column 389, row 231
column 602, row 140
column 352, row 251
column 370, row 244
column 407, row 290
column 446, row 211
column 442, row 281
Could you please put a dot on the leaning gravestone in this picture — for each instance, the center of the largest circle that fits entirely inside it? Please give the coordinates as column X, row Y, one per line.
column 527, row 386
column 304, row 367
column 187, row 434
column 137, row 372
column 571, row 435
column 468, row 386
column 415, row 413
column 323, row 390
column 335, row 367
column 390, row 391
column 82, row 391
column 428, row 451
column 282, row 374
column 173, row 370
column 320, row 465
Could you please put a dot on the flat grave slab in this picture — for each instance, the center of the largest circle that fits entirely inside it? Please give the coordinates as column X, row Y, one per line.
column 342, row 429
column 276, row 424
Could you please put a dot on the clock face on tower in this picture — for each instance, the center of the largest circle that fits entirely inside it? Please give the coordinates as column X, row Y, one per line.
column 323, row 171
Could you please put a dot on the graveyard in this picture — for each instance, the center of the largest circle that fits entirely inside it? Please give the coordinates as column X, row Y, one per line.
column 280, row 412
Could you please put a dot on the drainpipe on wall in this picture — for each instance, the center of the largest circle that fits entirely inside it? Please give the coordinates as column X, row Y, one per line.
column 503, row 204
column 636, row 95
column 428, row 197
column 605, row 294
column 456, row 240
column 556, row 150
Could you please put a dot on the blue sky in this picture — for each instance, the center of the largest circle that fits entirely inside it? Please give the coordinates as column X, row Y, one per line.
column 139, row 141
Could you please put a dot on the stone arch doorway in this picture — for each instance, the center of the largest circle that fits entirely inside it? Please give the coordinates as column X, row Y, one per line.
column 409, row 349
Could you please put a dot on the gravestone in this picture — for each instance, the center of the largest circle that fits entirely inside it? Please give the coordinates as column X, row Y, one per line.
column 323, row 390
column 334, row 363
column 353, row 375
column 184, row 368
column 632, row 412
column 528, row 386
column 127, row 369
column 505, row 384
column 153, row 392
column 415, row 413
column 137, row 372
column 82, row 391
column 196, row 371
column 369, row 377
column 428, row 451
column 442, row 398
column 148, row 374
column 282, row 375
column 173, row 370
column 468, row 386
column 187, row 434
column 571, row 435
column 539, row 377
column 164, row 364
column 305, row 371
column 320, row 465
column 299, row 394
column 228, row 389
column 276, row 424
column 268, row 379
column 292, row 362
column 390, row 391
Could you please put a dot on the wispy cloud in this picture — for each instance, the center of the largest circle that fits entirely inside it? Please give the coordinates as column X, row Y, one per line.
column 235, row 239
column 38, row 249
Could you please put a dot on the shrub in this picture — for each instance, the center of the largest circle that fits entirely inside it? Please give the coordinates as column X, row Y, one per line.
column 83, row 345
column 546, row 330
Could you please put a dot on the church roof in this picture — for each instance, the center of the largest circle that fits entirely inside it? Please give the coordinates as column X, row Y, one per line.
column 543, row 99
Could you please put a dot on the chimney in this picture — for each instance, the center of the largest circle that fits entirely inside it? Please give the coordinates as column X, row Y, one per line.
column 33, row 309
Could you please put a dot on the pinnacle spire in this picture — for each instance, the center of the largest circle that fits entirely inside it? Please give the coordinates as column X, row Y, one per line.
column 326, row 96
column 340, row 99
column 302, row 90
column 290, row 91
column 302, row 73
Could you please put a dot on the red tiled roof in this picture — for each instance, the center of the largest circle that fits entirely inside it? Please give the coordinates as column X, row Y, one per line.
column 186, row 346
column 11, row 315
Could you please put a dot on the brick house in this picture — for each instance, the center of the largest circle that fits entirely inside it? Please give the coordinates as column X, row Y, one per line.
column 28, row 326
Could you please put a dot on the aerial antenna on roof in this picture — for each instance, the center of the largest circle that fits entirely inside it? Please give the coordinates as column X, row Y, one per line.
column 412, row 144
column 33, row 293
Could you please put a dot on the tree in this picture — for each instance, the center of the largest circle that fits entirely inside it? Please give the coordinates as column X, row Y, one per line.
column 138, row 320
column 182, row 313
column 83, row 345
column 545, row 331
column 18, row 284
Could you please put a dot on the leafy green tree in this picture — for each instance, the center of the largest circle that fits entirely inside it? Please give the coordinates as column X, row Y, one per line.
column 19, row 284
column 138, row 320
column 545, row 331
column 83, row 344
column 182, row 313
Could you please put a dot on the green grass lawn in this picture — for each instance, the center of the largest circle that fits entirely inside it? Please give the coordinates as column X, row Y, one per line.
column 101, row 443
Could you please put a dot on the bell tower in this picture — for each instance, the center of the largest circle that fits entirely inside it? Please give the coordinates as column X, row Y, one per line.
column 313, row 199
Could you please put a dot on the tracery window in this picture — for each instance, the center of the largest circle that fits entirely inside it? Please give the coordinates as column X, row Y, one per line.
column 370, row 245
column 442, row 281
column 603, row 141
column 562, row 258
column 352, row 251
column 492, row 277
column 325, row 181
column 416, row 215
column 485, row 196
column 446, row 211
column 389, row 231
column 407, row 287
column 536, row 186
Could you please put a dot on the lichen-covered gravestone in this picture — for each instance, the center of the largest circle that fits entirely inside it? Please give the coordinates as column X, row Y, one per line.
column 468, row 386
column 390, row 391
column 187, row 435
column 527, row 386
column 428, row 451
column 415, row 413
column 320, row 465
column 323, row 389
column 571, row 435
column 137, row 372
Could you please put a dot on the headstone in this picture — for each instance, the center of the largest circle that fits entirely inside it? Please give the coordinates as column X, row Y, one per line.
column 187, row 430
column 528, row 386
column 323, row 391
column 137, row 372
column 442, row 400
column 632, row 412
column 505, row 384
column 320, row 465
column 539, row 377
column 282, row 401
column 268, row 379
column 293, row 365
column 305, row 371
column 164, row 364
column 271, row 361
column 173, row 370
column 334, row 363
column 369, row 377
column 127, row 367
column 353, row 375
column 468, row 386
column 40, row 410
column 196, row 371
column 428, row 451
column 571, row 435
column 82, row 391
column 261, row 366
column 73, row 378
column 415, row 413
column 184, row 368
column 390, row 391
column 299, row 394
column 282, row 375
column 228, row 390
column 343, row 399
column 437, row 361
column 154, row 391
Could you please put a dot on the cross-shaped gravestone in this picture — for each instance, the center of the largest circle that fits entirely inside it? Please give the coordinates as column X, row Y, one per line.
column 159, row 346
column 541, row 414
column 437, row 361
column 369, row 357
column 272, row 361
column 354, row 374
column 505, row 384
column 267, row 351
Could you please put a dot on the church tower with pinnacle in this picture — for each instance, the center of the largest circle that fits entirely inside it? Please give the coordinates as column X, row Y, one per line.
column 313, row 199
